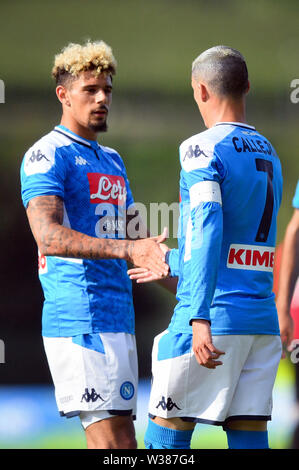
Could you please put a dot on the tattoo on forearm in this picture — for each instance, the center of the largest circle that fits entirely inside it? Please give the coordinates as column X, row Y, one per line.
column 45, row 214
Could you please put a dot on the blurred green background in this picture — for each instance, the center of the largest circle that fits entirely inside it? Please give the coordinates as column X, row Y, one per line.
column 154, row 43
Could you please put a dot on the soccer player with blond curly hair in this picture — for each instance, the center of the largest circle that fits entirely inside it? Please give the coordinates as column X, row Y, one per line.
column 76, row 194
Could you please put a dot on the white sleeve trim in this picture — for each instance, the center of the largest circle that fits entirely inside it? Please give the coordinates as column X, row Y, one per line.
column 205, row 191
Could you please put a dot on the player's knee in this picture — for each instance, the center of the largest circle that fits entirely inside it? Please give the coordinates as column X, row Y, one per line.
column 246, row 434
column 174, row 423
column 124, row 433
column 247, row 425
column 128, row 442
column 123, row 439
column 113, row 433
column 115, row 441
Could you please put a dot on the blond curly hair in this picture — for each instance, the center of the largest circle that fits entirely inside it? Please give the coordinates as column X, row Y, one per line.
column 75, row 58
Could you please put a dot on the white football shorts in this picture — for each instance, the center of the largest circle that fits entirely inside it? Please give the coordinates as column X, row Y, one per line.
column 95, row 375
column 240, row 388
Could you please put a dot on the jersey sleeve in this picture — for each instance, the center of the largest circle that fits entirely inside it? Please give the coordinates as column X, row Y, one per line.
column 296, row 197
column 207, row 226
column 203, row 173
column 42, row 172
column 172, row 259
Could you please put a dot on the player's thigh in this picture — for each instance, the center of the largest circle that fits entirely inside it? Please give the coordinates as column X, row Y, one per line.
column 174, row 423
column 181, row 388
column 117, row 432
column 253, row 395
column 94, row 372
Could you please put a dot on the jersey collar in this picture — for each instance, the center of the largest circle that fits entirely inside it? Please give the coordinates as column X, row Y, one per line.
column 64, row 130
column 239, row 124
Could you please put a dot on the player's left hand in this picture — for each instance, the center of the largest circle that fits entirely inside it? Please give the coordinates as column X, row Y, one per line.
column 142, row 275
column 205, row 352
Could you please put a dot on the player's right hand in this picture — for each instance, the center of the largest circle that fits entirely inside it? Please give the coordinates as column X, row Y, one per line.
column 147, row 254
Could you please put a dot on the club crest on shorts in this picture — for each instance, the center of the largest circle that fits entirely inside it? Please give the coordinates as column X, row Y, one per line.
column 127, row 390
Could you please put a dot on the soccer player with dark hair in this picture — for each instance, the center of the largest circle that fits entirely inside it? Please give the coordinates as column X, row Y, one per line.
column 76, row 194
column 217, row 361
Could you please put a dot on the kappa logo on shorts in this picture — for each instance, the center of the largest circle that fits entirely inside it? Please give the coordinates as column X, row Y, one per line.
column 127, row 390
column 92, row 396
column 167, row 405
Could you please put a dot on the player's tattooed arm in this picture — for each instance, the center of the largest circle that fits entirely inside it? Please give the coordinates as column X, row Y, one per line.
column 45, row 215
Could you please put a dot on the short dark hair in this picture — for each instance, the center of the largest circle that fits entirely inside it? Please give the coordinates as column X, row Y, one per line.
column 223, row 69
column 63, row 77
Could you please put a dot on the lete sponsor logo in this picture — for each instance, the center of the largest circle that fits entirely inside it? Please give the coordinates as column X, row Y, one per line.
column 251, row 257
column 107, row 188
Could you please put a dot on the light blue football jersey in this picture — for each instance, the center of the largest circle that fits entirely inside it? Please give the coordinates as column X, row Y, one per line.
column 296, row 197
column 230, row 193
column 81, row 295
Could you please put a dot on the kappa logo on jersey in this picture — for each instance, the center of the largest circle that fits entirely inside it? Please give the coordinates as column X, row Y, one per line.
column 38, row 162
column 107, row 188
column 251, row 257
column 91, row 396
column 194, row 152
column 80, row 160
column 37, row 157
column 167, row 405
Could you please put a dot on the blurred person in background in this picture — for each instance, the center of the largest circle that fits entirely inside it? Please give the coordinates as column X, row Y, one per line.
column 287, row 300
column 77, row 195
